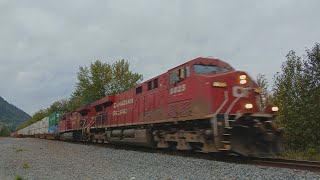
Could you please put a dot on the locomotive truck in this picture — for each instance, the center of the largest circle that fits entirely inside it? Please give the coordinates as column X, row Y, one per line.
column 203, row 105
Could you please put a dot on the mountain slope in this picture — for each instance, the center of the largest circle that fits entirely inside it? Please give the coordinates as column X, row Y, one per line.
column 10, row 114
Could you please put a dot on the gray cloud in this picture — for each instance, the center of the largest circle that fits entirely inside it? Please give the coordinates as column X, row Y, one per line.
column 44, row 42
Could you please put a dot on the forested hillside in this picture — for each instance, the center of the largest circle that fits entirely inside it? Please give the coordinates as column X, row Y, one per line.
column 10, row 114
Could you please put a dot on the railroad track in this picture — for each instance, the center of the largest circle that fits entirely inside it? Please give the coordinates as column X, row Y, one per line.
column 313, row 166
column 288, row 163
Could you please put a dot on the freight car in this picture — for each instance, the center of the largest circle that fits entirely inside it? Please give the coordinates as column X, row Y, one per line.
column 203, row 105
column 47, row 128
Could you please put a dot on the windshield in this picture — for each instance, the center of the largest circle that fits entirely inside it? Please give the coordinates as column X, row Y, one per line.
column 203, row 69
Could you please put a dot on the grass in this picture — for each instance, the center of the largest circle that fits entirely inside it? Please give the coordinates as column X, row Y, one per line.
column 18, row 150
column 26, row 165
column 309, row 154
column 18, row 177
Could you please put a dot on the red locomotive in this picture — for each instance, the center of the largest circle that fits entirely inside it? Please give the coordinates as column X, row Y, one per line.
column 203, row 104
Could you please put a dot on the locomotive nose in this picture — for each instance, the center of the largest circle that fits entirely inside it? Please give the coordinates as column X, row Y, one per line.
column 256, row 136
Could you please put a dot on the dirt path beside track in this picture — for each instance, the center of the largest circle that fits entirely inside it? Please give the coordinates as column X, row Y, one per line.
column 45, row 159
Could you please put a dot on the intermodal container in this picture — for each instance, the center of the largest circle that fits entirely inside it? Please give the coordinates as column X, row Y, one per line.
column 44, row 124
column 53, row 129
column 54, row 118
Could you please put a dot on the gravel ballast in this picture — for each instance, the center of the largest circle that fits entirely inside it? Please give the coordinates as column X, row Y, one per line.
column 45, row 159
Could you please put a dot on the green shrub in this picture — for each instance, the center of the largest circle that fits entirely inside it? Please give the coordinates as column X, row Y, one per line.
column 18, row 177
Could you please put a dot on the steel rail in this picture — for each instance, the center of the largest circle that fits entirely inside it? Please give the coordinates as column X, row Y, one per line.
column 288, row 163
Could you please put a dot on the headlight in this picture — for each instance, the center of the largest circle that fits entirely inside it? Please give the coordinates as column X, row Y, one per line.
column 243, row 79
column 248, row 106
column 275, row 109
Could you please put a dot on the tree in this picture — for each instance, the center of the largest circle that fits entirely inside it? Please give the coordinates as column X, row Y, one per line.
column 4, row 131
column 94, row 82
column 102, row 79
column 263, row 86
column 122, row 78
column 297, row 92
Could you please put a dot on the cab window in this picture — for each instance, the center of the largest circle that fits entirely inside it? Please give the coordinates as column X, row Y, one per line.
column 179, row 74
column 187, row 71
column 203, row 69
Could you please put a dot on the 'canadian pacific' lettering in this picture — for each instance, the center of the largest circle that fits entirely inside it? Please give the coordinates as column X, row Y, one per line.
column 123, row 103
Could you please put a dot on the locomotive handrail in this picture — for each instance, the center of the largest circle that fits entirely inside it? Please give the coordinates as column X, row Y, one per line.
column 90, row 123
column 214, row 119
column 226, row 116
column 84, row 124
column 226, row 97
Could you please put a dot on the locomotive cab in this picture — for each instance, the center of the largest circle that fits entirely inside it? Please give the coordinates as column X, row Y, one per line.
column 232, row 97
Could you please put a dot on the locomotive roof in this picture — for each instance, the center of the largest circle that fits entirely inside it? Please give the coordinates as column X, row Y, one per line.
column 202, row 60
column 199, row 60
column 85, row 108
column 103, row 100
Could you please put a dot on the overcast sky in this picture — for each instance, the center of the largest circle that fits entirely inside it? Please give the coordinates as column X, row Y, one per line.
column 43, row 43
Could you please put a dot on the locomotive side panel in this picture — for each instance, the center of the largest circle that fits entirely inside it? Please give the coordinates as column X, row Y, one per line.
column 155, row 99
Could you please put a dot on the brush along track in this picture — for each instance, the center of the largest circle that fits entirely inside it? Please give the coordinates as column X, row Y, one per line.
column 313, row 166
